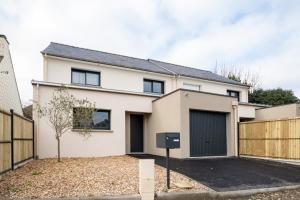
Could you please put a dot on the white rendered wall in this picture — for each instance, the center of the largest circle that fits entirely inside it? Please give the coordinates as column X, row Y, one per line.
column 9, row 94
column 100, row 143
column 58, row 70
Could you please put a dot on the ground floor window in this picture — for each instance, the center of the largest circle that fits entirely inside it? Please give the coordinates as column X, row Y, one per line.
column 99, row 120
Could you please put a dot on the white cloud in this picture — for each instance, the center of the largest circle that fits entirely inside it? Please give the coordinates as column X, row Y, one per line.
column 254, row 34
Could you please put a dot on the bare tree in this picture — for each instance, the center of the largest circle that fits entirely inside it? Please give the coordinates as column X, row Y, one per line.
column 63, row 111
column 239, row 74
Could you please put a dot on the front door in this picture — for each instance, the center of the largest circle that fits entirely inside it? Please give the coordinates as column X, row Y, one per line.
column 136, row 133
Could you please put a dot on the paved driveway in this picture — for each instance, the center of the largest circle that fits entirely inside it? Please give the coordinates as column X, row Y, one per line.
column 234, row 174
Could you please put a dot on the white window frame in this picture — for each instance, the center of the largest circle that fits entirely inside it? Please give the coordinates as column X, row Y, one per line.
column 190, row 86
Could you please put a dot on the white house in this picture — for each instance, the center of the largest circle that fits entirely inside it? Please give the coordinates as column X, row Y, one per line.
column 9, row 95
column 137, row 98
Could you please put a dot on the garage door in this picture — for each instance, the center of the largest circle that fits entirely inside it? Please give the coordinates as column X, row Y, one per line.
column 207, row 134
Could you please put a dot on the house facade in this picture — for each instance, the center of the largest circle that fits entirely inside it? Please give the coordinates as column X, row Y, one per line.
column 9, row 95
column 137, row 98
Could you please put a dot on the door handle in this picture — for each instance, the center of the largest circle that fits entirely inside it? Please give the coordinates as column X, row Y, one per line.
column 207, row 141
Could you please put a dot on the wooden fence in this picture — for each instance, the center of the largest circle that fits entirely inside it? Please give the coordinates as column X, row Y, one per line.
column 272, row 139
column 16, row 140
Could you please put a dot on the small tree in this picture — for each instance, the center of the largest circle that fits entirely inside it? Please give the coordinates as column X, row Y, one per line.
column 61, row 114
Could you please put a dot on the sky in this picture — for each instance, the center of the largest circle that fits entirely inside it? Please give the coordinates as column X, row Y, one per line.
column 262, row 36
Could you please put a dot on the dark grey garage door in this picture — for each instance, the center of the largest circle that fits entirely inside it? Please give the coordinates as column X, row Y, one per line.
column 207, row 133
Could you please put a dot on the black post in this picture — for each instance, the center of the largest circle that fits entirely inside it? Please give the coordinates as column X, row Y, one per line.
column 167, row 167
column 238, row 139
column 12, row 138
column 33, row 140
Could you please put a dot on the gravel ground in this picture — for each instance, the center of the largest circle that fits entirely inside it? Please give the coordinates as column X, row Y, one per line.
column 281, row 195
column 82, row 177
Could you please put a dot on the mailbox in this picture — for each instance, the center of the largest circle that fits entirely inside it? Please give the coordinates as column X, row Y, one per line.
column 168, row 140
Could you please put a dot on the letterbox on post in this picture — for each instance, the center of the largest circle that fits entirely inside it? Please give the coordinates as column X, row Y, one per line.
column 168, row 140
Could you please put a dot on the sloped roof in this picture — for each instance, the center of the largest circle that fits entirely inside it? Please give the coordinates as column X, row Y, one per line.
column 77, row 53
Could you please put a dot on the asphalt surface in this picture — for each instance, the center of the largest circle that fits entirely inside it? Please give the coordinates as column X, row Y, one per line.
column 229, row 174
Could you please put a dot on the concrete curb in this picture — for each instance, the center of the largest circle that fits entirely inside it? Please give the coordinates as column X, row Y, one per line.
column 117, row 197
column 219, row 195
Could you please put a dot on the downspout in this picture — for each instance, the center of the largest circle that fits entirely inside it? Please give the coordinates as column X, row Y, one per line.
column 235, row 126
column 37, row 120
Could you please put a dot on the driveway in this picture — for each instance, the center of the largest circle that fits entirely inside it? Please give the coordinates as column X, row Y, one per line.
column 228, row 174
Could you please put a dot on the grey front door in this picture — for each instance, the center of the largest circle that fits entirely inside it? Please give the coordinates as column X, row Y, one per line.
column 207, row 133
column 136, row 133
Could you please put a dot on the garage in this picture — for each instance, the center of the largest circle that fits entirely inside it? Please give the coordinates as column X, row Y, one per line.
column 207, row 133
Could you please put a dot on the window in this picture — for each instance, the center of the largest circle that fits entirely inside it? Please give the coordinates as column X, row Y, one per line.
column 191, row 86
column 100, row 120
column 85, row 77
column 233, row 94
column 153, row 86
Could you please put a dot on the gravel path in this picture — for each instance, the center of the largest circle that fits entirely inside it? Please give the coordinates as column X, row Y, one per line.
column 82, row 177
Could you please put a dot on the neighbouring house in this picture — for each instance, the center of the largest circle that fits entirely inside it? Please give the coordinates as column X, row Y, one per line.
column 278, row 112
column 137, row 98
column 9, row 95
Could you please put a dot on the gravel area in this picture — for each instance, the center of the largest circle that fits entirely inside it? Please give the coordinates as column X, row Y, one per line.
column 280, row 195
column 84, row 177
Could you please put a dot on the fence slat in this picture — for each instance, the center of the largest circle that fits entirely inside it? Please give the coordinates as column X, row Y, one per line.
column 273, row 139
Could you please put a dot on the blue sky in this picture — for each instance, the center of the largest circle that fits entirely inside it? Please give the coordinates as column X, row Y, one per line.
column 257, row 35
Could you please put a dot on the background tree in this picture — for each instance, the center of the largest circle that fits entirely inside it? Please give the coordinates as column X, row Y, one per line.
column 61, row 116
column 247, row 77
column 256, row 94
column 273, row 97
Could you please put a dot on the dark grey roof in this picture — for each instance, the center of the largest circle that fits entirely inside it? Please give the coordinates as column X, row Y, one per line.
column 66, row 51
column 3, row 36
column 194, row 73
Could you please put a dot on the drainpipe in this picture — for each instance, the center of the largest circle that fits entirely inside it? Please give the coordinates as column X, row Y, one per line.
column 235, row 126
column 37, row 121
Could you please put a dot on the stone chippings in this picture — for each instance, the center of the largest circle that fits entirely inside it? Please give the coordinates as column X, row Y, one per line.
column 84, row 177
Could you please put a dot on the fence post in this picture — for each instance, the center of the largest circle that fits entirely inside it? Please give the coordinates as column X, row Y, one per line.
column 12, row 138
column 33, row 140
column 238, row 139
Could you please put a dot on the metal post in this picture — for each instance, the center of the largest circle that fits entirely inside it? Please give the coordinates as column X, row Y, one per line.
column 12, row 138
column 167, row 167
column 238, row 139
column 33, row 141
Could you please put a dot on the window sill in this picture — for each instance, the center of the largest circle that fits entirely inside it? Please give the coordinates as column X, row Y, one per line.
column 86, row 85
column 94, row 131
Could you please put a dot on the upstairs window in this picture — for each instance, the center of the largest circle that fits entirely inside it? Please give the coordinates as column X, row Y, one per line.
column 191, row 86
column 100, row 120
column 233, row 93
column 153, row 86
column 83, row 77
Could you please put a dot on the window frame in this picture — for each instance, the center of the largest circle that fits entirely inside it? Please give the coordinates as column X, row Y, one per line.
column 193, row 85
column 85, row 76
column 154, row 81
column 229, row 92
column 93, row 128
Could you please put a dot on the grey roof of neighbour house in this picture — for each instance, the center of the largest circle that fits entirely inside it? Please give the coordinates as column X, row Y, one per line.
column 77, row 53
